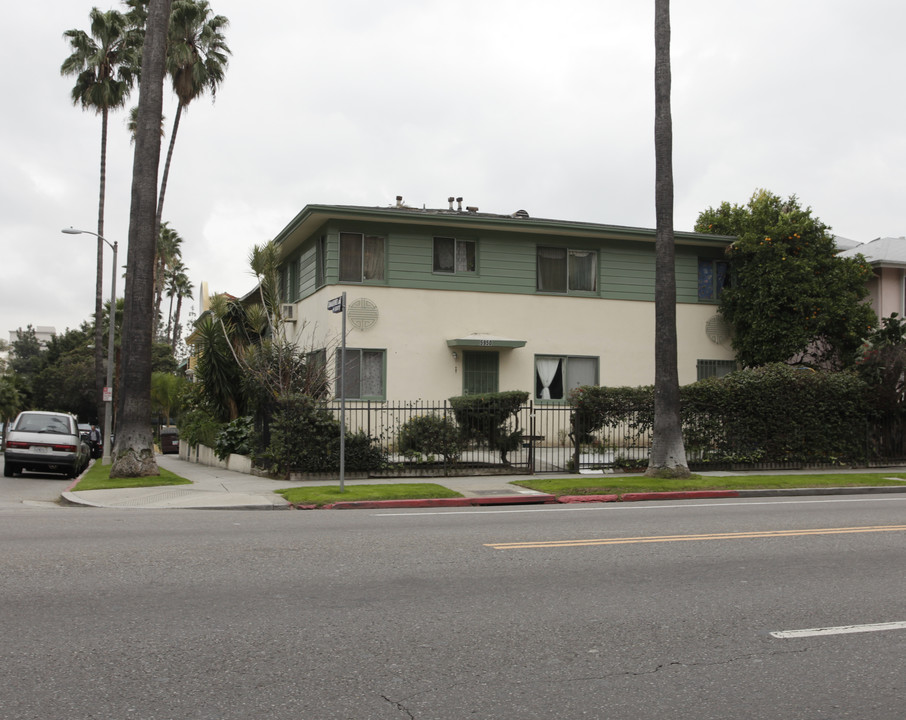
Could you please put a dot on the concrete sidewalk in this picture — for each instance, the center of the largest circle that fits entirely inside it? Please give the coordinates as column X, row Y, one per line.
column 216, row 488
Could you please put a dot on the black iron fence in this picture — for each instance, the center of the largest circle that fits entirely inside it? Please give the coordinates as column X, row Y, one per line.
column 427, row 438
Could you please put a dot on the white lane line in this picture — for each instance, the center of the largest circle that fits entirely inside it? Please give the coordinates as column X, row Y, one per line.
column 842, row 630
column 662, row 505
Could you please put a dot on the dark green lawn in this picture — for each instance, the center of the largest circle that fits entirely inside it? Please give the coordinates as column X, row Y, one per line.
column 327, row 494
column 585, row 485
column 98, row 478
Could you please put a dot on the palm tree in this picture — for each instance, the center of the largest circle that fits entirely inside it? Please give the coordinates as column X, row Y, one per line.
column 183, row 288
column 104, row 64
column 196, row 62
column 168, row 255
column 668, row 455
column 133, row 454
column 173, row 275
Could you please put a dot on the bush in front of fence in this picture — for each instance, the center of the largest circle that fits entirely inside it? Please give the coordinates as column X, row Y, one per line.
column 491, row 419
column 305, row 437
column 430, row 436
column 773, row 413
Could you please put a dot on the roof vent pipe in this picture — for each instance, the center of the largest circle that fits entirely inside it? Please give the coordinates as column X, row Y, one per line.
column 399, row 200
column 459, row 203
column 472, row 209
column 450, row 200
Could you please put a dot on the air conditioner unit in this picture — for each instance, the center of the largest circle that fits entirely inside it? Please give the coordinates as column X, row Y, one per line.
column 289, row 312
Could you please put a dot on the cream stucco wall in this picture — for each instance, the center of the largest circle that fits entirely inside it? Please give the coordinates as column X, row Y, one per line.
column 414, row 325
column 887, row 291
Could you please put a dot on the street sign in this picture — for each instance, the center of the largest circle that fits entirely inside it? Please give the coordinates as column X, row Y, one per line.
column 335, row 305
column 108, row 394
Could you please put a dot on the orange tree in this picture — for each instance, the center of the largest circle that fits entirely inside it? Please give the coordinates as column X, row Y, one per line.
column 789, row 297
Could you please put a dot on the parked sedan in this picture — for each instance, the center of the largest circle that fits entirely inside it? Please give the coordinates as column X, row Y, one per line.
column 44, row 442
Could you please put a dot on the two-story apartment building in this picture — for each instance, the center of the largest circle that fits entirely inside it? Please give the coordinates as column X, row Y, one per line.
column 443, row 302
column 887, row 287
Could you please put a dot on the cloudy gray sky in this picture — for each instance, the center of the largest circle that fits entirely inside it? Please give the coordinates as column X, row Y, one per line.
column 511, row 104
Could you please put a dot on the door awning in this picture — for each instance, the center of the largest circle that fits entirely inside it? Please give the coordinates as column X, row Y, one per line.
column 480, row 340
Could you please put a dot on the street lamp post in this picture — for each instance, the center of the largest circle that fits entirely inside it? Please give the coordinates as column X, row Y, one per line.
column 108, row 391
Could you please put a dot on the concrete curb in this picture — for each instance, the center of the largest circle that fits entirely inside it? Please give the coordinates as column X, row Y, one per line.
column 573, row 499
column 435, row 502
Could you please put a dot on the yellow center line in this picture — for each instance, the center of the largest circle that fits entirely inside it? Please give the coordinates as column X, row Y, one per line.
column 686, row 538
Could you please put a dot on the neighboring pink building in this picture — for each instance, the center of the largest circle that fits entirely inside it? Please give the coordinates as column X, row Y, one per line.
column 887, row 289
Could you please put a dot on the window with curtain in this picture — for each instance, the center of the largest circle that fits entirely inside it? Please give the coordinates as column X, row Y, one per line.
column 364, row 378
column 561, row 270
column 713, row 277
column 556, row 376
column 321, row 262
column 361, row 257
column 289, row 281
column 454, row 256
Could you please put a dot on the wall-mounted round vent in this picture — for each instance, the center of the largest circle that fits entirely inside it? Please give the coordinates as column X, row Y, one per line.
column 717, row 330
column 363, row 314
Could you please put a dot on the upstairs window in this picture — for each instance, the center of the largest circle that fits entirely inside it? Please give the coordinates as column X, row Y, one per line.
column 361, row 257
column 454, row 256
column 321, row 262
column 713, row 277
column 565, row 271
column 289, row 281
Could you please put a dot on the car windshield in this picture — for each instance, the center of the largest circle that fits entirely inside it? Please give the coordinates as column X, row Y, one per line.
column 43, row 424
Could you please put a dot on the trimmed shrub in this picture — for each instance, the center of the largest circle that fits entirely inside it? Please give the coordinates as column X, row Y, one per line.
column 431, row 435
column 491, row 419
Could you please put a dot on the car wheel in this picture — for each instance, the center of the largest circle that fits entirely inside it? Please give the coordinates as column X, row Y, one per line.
column 9, row 469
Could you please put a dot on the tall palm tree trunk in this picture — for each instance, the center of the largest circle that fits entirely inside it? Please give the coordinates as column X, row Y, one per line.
column 158, row 218
column 668, row 455
column 100, row 374
column 169, row 319
column 166, row 173
column 175, row 337
column 134, row 455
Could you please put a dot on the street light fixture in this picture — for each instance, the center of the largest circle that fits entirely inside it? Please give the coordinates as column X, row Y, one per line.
column 108, row 391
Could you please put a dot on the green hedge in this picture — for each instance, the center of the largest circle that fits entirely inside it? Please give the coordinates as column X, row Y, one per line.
column 491, row 419
column 774, row 413
column 430, row 436
column 305, row 437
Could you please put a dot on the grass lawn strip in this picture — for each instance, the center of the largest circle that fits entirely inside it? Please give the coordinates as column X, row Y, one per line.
column 328, row 494
column 97, row 477
column 633, row 484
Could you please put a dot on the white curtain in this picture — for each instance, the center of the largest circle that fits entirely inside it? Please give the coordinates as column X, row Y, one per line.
column 582, row 270
column 547, row 370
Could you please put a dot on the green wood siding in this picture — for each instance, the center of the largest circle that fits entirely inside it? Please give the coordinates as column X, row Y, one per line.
column 505, row 262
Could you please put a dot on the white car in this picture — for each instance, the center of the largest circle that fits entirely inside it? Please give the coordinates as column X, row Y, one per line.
column 44, row 442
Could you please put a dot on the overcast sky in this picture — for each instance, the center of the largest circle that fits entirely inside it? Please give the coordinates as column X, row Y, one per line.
column 511, row 104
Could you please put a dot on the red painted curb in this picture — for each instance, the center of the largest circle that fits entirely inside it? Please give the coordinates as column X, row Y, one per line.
column 679, row 495
column 587, row 498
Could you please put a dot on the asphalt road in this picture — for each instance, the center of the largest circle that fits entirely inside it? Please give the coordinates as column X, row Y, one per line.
column 602, row 611
column 31, row 489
